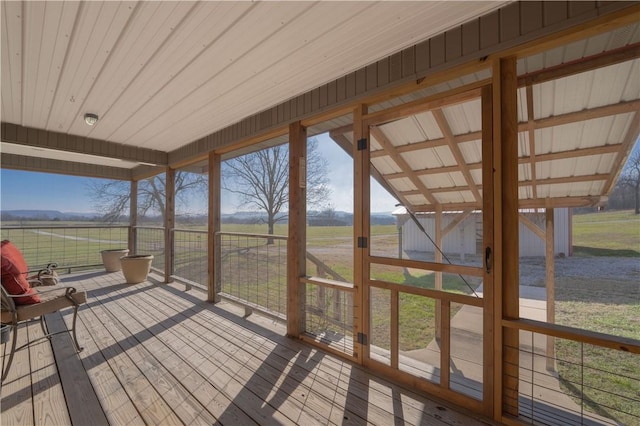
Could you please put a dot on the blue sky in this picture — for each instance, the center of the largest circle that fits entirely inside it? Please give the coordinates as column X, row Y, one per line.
column 43, row 191
column 22, row 190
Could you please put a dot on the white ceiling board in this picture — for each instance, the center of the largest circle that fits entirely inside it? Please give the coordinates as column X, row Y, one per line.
column 11, row 62
column 150, row 26
column 98, row 28
column 163, row 74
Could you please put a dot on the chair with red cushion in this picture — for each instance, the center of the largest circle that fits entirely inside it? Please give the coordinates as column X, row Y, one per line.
column 25, row 299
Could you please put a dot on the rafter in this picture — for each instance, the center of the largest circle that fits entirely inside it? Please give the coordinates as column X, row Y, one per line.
column 623, row 54
column 343, row 142
column 455, row 150
column 584, row 115
column 623, row 153
column 404, row 166
column 455, row 222
column 440, row 100
column 551, row 181
column 532, row 226
column 587, row 201
column 566, row 179
column 582, row 152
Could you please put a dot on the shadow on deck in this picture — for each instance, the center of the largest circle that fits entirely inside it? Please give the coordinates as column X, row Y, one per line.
column 156, row 354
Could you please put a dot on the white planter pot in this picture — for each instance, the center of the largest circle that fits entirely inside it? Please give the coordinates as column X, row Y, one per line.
column 135, row 268
column 111, row 259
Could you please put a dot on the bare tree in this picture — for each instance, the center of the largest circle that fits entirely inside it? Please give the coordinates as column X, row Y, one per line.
column 112, row 198
column 261, row 180
column 631, row 177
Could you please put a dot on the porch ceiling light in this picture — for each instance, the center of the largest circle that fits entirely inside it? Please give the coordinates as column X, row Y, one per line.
column 90, row 119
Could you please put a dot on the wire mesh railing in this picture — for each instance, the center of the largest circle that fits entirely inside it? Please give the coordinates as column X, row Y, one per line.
column 328, row 315
column 583, row 383
column 190, row 256
column 253, row 270
column 71, row 247
column 150, row 240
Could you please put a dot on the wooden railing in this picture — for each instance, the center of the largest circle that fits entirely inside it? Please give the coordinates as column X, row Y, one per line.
column 594, row 380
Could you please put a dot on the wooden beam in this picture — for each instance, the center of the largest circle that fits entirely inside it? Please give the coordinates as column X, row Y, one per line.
column 584, row 115
column 460, row 298
column 437, row 258
column 550, row 284
column 394, row 337
column 588, row 201
column 532, row 141
column 68, row 168
column 575, row 153
column 361, row 231
column 505, row 86
column 447, row 268
column 455, row 150
column 296, row 243
column 567, row 179
column 133, row 216
column 549, row 181
column 439, row 100
column 625, row 149
column 445, row 342
column 402, row 164
column 489, row 266
column 619, row 343
column 603, row 59
column 28, row 136
column 432, row 143
column 169, row 223
column 455, row 222
column 341, row 131
column 532, row 226
column 214, row 257
column 446, row 207
column 435, row 171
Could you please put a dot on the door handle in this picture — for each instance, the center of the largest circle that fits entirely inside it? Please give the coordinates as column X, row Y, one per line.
column 487, row 259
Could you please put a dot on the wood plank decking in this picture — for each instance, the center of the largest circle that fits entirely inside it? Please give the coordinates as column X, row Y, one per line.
column 156, row 354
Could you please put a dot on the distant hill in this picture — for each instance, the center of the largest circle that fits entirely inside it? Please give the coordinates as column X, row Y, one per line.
column 44, row 215
column 315, row 218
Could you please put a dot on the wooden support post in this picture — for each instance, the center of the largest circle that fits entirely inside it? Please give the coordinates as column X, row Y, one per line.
column 170, row 222
column 506, row 257
column 395, row 325
column 550, row 284
column 133, row 217
column 296, row 244
column 445, row 344
column 361, row 231
column 488, row 231
column 438, row 259
column 214, row 257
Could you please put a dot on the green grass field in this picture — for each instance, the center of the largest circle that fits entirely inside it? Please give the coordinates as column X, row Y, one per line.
column 606, row 233
column 600, row 304
column 611, row 378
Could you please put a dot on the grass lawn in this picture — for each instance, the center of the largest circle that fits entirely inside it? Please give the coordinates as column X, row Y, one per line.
column 615, row 233
column 609, row 383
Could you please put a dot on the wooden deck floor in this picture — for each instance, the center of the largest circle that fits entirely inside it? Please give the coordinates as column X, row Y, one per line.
column 157, row 354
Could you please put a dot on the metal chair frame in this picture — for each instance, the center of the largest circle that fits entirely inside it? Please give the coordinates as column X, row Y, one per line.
column 8, row 304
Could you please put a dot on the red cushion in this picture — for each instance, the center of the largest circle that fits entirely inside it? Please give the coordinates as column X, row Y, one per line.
column 14, row 274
